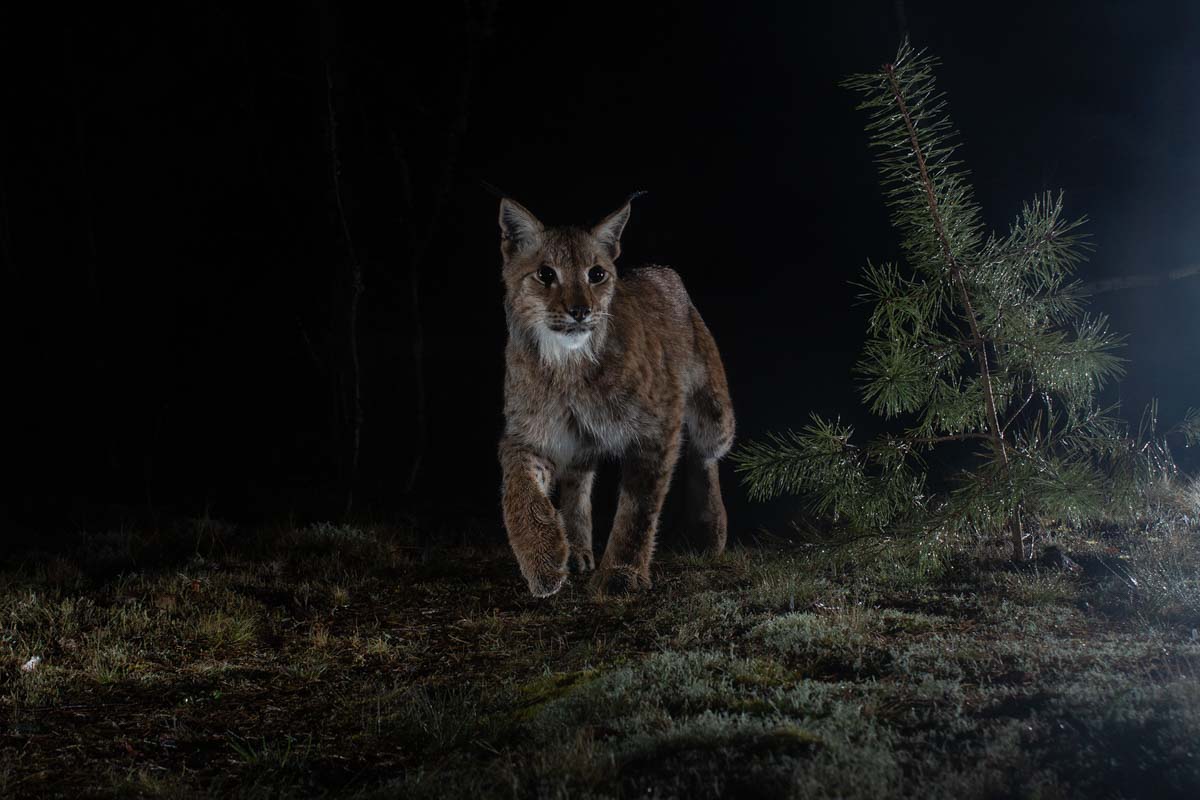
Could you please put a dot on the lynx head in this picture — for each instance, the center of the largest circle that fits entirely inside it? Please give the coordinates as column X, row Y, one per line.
column 559, row 282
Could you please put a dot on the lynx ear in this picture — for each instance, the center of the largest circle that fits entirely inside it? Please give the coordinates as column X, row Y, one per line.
column 608, row 231
column 519, row 228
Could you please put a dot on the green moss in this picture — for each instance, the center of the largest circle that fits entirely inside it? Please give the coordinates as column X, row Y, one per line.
column 762, row 673
column 748, row 741
column 893, row 621
column 534, row 694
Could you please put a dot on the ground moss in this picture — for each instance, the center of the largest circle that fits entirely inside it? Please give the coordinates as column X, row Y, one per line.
column 533, row 695
column 364, row 662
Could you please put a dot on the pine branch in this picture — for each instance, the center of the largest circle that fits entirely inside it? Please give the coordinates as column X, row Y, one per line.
column 1189, row 428
column 952, row 263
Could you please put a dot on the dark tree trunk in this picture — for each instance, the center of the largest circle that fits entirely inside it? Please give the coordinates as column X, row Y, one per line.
column 348, row 280
column 6, row 251
column 419, row 232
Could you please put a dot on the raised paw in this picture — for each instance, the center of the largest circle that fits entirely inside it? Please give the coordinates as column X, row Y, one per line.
column 543, row 562
column 540, row 545
column 544, row 575
column 618, row 581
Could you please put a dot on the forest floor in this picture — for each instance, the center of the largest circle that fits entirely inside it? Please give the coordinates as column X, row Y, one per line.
column 367, row 662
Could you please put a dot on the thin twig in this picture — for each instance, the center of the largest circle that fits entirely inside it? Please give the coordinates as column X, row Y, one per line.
column 955, row 437
column 1017, row 413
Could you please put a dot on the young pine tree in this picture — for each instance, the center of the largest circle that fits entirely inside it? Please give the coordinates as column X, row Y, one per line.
column 978, row 342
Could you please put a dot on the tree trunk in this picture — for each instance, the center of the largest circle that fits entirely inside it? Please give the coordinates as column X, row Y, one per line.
column 1017, row 537
column 995, row 431
column 348, row 383
column 420, row 238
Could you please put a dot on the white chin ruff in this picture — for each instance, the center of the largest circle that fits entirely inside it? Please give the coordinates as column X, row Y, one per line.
column 559, row 348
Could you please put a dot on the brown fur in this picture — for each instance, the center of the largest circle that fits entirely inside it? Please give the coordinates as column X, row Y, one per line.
column 621, row 381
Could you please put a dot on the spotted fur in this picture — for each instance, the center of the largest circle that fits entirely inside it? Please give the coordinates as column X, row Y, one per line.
column 601, row 365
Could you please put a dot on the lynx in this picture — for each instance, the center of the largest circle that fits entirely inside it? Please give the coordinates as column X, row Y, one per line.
column 601, row 364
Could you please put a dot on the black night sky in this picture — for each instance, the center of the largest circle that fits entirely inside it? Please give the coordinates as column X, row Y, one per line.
column 175, row 268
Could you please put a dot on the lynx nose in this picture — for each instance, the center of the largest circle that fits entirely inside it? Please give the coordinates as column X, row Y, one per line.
column 579, row 313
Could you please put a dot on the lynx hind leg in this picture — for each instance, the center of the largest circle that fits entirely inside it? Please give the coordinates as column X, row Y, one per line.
column 645, row 477
column 710, row 426
column 705, row 510
column 535, row 527
column 575, row 504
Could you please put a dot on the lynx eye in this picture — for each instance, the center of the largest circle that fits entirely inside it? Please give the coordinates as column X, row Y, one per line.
column 596, row 274
column 545, row 275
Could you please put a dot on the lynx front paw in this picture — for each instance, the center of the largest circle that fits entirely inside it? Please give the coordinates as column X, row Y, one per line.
column 546, row 582
column 540, row 545
column 618, row 581
column 544, row 567
column 545, row 572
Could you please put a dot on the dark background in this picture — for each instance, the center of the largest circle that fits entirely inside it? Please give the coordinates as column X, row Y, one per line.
column 176, row 275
